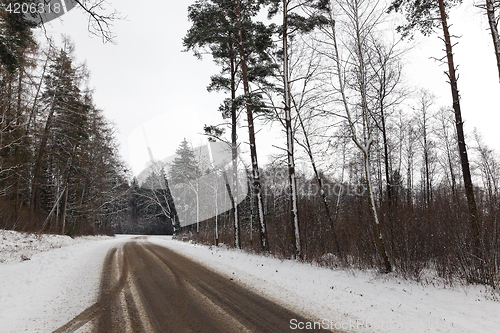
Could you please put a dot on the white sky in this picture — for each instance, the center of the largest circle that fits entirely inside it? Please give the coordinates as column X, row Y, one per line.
column 146, row 79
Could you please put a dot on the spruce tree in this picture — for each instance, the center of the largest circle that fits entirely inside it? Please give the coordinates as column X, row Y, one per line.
column 184, row 168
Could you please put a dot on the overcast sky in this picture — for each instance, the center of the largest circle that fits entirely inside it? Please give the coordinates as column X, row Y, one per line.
column 146, row 79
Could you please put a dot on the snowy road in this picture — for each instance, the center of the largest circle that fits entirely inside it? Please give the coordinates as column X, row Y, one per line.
column 149, row 288
column 63, row 280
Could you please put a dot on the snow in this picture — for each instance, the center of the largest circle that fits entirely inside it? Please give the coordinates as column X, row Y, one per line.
column 352, row 300
column 62, row 279
column 19, row 246
column 59, row 281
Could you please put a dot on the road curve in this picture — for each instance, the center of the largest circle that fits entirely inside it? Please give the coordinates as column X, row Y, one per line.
column 149, row 288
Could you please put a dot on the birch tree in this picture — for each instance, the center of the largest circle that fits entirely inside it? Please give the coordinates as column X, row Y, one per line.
column 358, row 21
column 294, row 21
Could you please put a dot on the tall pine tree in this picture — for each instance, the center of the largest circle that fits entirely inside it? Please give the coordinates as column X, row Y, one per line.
column 227, row 29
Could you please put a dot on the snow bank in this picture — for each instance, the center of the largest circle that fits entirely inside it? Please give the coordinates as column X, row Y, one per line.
column 59, row 281
column 351, row 300
column 19, row 246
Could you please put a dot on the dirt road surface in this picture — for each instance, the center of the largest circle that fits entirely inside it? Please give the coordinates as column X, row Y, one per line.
column 149, row 288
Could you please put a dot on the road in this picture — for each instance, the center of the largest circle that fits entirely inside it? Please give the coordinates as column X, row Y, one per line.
column 149, row 288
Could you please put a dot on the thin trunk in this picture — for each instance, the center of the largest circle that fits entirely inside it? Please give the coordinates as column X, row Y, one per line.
column 234, row 153
column 33, row 107
column 493, row 22
column 233, row 208
column 19, row 159
column 450, row 161
column 54, row 208
column 40, row 156
column 41, row 152
column 6, row 101
column 170, row 203
column 251, row 134
column 427, row 183
column 342, row 173
column 373, row 212
column 386, row 163
column 409, row 169
column 64, row 204
column 365, row 146
column 308, row 149
column 296, row 243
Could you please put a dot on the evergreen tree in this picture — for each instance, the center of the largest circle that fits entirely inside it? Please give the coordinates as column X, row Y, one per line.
column 184, row 168
column 15, row 36
column 227, row 29
column 184, row 175
column 62, row 96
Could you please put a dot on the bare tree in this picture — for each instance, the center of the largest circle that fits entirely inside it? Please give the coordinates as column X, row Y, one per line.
column 424, row 115
column 352, row 72
column 491, row 7
column 100, row 18
column 426, row 16
column 451, row 159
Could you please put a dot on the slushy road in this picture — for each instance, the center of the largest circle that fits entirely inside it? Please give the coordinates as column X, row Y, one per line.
column 149, row 288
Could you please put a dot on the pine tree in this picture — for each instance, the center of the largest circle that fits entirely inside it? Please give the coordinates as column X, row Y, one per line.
column 426, row 16
column 227, row 27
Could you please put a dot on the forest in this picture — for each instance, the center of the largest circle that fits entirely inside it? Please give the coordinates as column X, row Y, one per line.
column 374, row 174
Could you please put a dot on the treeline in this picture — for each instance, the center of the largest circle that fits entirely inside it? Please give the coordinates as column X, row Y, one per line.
column 59, row 166
column 423, row 196
column 426, row 229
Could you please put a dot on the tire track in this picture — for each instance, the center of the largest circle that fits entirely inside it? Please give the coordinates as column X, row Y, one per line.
column 107, row 295
column 149, row 288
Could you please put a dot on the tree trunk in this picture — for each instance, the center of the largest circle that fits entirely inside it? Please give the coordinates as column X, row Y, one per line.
column 234, row 157
column 41, row 152
column 373, row 212
column 64, row 204
column 386, row 162
column 295, row 236
column 308, row 149
column 427, row 183
column 365, row 145
column 469, row 190
column 478, row 246
column 37, row 169
column 251, row 134
column 492, row 20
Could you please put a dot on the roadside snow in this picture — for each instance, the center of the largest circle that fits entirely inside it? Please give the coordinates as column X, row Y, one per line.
column 19, row 246
column 42, row 294
column 59, row 281
column 351, row 301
